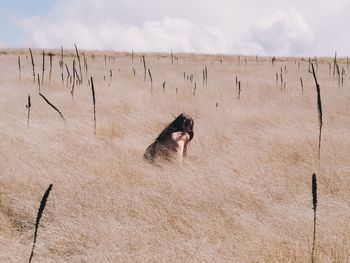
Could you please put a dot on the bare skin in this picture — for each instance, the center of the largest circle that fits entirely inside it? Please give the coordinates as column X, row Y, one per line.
column 173, row 141
column 182, row 142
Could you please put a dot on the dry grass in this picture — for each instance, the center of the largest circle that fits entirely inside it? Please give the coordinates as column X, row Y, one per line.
column 243, row 194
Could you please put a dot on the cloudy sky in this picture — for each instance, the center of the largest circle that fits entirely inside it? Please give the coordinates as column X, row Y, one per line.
column 263, row 27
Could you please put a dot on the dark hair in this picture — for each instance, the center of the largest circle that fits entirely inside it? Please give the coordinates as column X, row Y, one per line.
column 182, row 123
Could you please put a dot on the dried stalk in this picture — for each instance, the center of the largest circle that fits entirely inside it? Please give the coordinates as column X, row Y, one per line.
column 28, row 106
column 314, row 207
column 319, row 107
column 19, row 68
column 144, row 67
column 48, row 102
column 94, row 102
column 302, row 85
column 43, row 69
column 81, row 75
column 38, row 217
column 31, row 56
column 50, row 72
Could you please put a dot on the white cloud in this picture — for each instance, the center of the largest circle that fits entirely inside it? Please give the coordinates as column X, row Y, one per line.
column 163, row 35
column 272, row 27
column 285, row 33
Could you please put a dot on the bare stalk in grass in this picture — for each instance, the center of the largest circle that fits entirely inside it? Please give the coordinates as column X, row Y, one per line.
column 314, row 207
column 93, row 101
column 28, row 106
column 33, row 65
column 302, row 85
column 276, row 80
column 52, row 106
column 61, row 60
column 38, row 217
column 50, row 72
column 43, row 69
column 309, row 69
column 144, row 67
column 203, row 76
column 132, row 56
column 78, row 80
column 74, row 74
column 239, row 90
column 194, row 89
column 150, row 77
column 81, row 75
column 68, row 75
column 61, row 66
column 206, row 76
column 172, row 57
column 19, row 68
column 338, row 72
column 319, row 107
column 281, row 77
column 39, row 83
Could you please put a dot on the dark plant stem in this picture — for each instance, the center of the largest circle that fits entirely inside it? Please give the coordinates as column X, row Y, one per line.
column 19, row 68
column 50, row 55
column 31, row 56
column 302, row 85
column 314, row 204
column 144, row 67
column 38, row 217
column 48, row 102
column 94, row 102
column 319, row 107
column 80, row 72
column 29, row 104
column 43, row 69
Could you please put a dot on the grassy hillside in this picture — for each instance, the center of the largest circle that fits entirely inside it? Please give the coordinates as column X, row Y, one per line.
column 242, row 195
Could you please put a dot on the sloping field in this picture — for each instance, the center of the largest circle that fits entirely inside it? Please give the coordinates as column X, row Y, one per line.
column 242, row 195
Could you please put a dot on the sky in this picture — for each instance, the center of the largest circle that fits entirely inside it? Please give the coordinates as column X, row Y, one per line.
column 247, row 27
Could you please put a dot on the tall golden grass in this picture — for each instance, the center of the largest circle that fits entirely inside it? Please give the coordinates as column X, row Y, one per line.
column 242, row 195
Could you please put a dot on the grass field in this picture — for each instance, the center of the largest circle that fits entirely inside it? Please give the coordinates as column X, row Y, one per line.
column 242, row 195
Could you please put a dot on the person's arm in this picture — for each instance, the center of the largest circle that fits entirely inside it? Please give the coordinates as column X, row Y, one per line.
column 186, row 144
